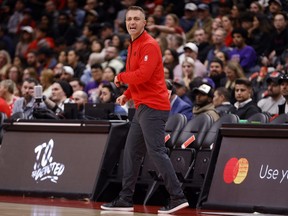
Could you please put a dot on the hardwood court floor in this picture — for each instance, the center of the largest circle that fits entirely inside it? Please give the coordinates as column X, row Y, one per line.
column 27, row 206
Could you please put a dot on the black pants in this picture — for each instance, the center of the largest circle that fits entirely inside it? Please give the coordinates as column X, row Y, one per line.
column 147, row 134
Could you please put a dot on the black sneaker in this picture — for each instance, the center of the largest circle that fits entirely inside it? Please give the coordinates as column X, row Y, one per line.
column 174, row 205
column 118, row 204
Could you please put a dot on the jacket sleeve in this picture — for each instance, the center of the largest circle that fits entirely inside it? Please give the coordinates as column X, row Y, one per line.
column 252, row 110
column 127, row 93
column 187, row 111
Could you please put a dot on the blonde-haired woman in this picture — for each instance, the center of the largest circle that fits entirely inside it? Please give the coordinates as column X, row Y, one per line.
column 7, row 92
column 46, row 80
column 15, row 73
column 5, row 63
column 233, row 71
column 188, row 70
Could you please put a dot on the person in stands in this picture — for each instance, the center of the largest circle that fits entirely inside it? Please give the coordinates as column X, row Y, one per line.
column 244, row 106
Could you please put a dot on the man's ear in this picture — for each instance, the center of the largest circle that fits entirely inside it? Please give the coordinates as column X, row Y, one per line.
column 222, row 97
column 210, row 99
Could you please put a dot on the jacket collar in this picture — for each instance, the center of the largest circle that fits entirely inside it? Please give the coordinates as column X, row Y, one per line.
column 138, row 36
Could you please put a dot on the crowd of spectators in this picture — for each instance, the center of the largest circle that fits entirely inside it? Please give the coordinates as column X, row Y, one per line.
column 84, row 43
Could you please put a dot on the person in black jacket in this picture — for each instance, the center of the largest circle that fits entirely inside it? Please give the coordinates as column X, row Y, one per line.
column 221, row 100
column 244, row 106
column 283, row 82
column 279, row 40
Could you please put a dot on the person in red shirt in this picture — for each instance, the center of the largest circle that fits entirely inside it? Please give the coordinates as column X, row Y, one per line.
column 7, row 92
column 4, row 108
column 147, row 88
column 228, row 26
column 41, row 40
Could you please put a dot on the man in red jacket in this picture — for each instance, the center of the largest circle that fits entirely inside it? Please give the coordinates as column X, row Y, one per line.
column 146, row 87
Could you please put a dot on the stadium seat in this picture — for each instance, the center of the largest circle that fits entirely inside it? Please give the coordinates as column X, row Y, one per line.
column 281, row 119
column 212, row 133
column 204, row 153
column 262, row 118
column 17, row 115
column 183, row 154
column 173, row 128
column 2, row 118
column 198, row 127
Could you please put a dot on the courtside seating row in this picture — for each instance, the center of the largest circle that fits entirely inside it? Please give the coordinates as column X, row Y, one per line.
column 189, row 146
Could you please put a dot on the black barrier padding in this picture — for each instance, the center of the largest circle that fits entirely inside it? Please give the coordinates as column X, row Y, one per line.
column 59, row 164
column 248, row 170
column 115, row 144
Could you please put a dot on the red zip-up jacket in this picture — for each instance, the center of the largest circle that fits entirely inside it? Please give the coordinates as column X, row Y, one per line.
column 144, row 74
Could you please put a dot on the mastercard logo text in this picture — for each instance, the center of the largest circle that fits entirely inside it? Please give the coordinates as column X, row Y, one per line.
column 236, row 170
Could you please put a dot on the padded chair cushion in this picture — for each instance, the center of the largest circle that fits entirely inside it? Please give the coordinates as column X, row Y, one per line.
column 17, row 115
column 212, row 133
column 259, row 117
column 281, row 119
column 173, row 128
column 197, row 126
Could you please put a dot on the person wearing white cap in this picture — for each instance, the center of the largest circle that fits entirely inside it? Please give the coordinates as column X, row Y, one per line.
column 191, row 50
column 67, row 73
column 274, row 98
column 275, row 6
column 26, row 37
column 187, row 21
column 204, row 20
column 28, row 29
column 192, row 46
column 204, row 101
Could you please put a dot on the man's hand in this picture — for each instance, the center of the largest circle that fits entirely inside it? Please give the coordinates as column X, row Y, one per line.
column 121, row 100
